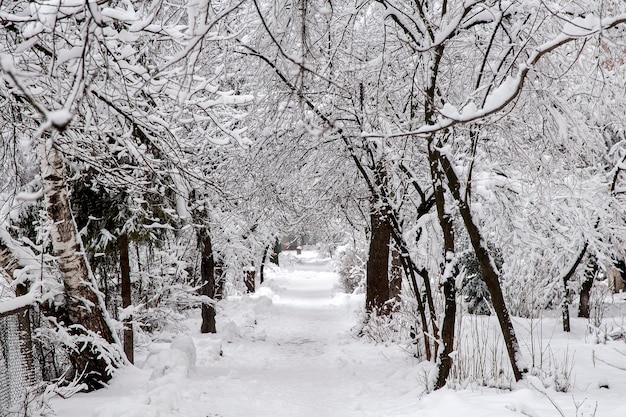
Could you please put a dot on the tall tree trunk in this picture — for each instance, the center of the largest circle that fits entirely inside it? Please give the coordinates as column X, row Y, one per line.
column 126, row 287
column 274, row 255
column 445, row 221
column 584, row 308
column 85, row 306
column 377, row 278
column 448, row 270
column 249, row 278
column 395, row 276
column 565, row 308
column 220, row 279
column 490, row 274
column 262, row 267
column 207, row 272
column 566, row 277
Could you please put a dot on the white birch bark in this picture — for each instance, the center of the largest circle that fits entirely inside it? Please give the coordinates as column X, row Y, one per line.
column 83, row 302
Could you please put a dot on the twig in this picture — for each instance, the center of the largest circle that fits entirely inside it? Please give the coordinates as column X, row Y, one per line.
column 556, row 406
column 610, row 364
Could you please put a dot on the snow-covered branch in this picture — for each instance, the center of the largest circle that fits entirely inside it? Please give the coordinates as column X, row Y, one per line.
column 511, row 87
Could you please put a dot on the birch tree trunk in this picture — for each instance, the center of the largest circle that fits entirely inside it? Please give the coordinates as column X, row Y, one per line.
column 83, row 301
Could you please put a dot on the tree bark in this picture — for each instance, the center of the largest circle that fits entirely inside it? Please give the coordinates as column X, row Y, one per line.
column 566, row 277
column 262, row 267
column 377, row 278
column 84, row 303
column 249, row 277
column 126, row 289
column 274, row 255
column 565, row 309
column 207, row 272
column 219, row 279
column 395, row 273
column 448, row 270
column 487, row 267
column 584, row 307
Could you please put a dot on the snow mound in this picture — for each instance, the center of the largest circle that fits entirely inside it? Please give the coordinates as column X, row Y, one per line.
column 185, row 344
column 168, row 361
column 209, row 350
column 178, row 359
column 230, row 331
column 261, row 304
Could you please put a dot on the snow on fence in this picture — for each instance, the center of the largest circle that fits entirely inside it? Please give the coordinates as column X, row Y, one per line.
column 17, row 370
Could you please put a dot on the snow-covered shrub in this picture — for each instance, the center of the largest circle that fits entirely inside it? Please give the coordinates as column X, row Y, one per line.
column 178, row 359
column 480, row 355
column 351, row 264
column 185, row 344
column 598, row 329
column 75, row 343
column 400, row 326
column 36, row 400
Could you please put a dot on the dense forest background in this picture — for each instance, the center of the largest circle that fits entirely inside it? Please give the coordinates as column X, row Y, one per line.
column 467, row 157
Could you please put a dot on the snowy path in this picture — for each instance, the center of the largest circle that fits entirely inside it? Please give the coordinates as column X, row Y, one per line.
column 308, row 363
column 288, row 350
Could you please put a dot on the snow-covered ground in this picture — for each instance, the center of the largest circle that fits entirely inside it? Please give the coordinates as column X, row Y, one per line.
column 291, row 350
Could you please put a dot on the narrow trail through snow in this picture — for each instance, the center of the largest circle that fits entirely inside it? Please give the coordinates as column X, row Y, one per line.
column 304, row 360
column 288, row 350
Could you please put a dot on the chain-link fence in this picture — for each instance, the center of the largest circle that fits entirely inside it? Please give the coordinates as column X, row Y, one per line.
column 17, row 368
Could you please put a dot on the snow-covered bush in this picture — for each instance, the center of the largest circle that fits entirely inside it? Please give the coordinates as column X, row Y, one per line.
column 351, row 264
column 479, row 355
column 400, row 326
column 71, row 345
column 178, row 359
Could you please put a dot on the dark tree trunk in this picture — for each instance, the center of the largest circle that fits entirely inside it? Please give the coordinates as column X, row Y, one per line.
column 274, row 256
column 126, row 287
column 207, row 272
column 219, row 279
column 262, row 267
column 377, row 279
column 395, row 280
column 566, row 277
column 490, row 274
column 565, row 308
column 249, row 277
column 584, row 307
column 448, row 271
